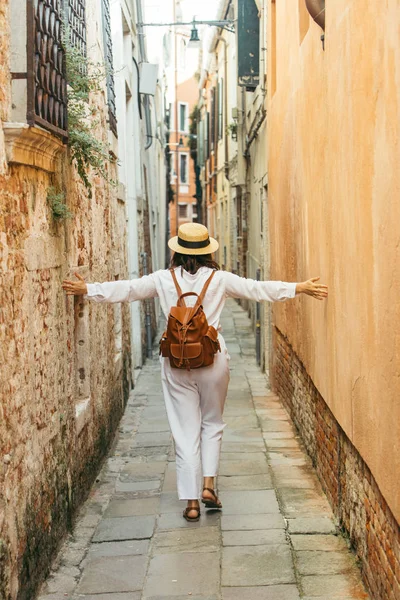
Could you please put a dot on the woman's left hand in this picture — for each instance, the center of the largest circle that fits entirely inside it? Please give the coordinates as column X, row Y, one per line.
column 75, row 288
column 312, row 288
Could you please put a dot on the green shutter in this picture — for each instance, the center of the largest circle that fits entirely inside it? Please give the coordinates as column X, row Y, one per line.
column 248, row 37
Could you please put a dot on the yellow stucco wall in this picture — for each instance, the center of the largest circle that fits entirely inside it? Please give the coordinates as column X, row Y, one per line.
column 334, row 191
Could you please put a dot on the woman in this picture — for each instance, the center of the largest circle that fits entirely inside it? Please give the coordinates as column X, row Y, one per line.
column 195, row 399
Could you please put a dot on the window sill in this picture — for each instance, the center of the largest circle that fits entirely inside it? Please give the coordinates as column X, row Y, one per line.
column 31, row 146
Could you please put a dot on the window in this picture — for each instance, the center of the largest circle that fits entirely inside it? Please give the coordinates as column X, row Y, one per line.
column 183, row 168
column 46, row 77
column 182, row 211
column 183, row 116
column 108, row 59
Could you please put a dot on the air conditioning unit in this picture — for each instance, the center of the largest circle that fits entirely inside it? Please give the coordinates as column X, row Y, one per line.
column 148, row 78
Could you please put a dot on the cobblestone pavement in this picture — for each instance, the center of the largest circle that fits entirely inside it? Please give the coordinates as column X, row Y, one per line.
column 274, row 540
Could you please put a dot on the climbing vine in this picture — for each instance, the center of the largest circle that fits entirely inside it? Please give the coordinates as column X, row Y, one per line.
column 87, row 151
column 56, row 201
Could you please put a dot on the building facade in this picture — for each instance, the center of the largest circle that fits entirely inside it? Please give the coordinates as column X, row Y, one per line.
column 66, row 364
column 142, row 186
column 298, row 152
column 333, row 211
column 233, row 150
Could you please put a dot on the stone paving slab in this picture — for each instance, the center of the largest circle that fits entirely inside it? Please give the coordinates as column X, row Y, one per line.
column 275, row 538
column 255, row 502
column 176, row 521
column 137, row 486
column 132, row 507
column 125, row 548
column 123, row 596
column 254, row 538
column 251, row 522
column 293, row 476
column 262, row 481
column 248, row 447
column 311, row 525
column 322, row 543
column 271, row 592
column 185, row 597
column 242, row 436
column 257, row 565
column 314, row 562
column 243, row 467
column 125, row 528
column 297, row 501
column 187, row 540
column 334, row 586
column 183, row 573
column 113, row 574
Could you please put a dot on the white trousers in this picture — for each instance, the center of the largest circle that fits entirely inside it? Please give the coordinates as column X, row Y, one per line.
column 194, row 402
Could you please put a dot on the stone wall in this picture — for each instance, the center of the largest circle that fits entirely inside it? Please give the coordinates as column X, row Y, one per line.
column 65, row 364
column 351, row 489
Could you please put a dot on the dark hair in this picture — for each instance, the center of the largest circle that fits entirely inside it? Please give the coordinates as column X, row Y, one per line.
column 192, row 263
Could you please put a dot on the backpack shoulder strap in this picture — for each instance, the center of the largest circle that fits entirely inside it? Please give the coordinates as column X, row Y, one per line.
column 178, row 287
column 205, row 288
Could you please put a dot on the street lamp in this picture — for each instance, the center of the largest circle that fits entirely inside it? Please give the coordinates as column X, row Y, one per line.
column 194, row 41
column 227, row 24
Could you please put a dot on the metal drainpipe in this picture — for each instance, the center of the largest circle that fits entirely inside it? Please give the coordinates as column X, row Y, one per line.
column 222, row 39
column 140, row 34
column 258, row 324
column 149, row 341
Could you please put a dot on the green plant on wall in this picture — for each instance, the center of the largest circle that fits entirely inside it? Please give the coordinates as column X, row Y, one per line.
column 87, row 151
column 56, row 201
column 232, row 129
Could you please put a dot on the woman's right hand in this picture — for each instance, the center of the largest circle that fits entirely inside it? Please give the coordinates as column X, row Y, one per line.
column 75, row 288
column 312, row 288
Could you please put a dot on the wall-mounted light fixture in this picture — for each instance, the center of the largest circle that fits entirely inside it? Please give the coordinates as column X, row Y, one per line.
column 194, row 41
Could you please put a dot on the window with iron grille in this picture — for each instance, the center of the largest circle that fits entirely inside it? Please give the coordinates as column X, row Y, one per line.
column 108, row 56
column 75, row 22
column 46, row 78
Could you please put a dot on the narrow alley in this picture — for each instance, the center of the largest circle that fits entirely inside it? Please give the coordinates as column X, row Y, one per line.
column 274, row 540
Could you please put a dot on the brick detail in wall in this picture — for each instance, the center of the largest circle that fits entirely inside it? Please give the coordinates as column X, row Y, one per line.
column 347, row 481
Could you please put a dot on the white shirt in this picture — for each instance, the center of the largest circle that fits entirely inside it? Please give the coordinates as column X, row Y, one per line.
column 223, row 285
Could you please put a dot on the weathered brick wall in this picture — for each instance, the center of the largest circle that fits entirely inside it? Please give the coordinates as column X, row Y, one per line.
column 48, row 456
column 347, row 481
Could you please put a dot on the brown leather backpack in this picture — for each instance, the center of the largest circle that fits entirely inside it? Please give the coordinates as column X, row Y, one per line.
column 189, row 342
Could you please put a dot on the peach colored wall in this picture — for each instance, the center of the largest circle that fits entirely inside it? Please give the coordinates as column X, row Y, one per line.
column 188, row 91
column 334, row 190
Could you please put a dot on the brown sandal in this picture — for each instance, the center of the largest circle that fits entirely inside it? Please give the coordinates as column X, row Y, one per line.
column 216, row 503
column 187, row 511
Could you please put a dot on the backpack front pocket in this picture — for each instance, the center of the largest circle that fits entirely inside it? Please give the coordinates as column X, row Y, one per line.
column 187, row 355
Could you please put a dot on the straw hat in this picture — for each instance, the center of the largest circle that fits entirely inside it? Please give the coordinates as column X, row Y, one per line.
column 193, row 238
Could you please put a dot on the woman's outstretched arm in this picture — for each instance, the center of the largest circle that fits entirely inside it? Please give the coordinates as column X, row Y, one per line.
column 112, row 291
column 272, row 291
